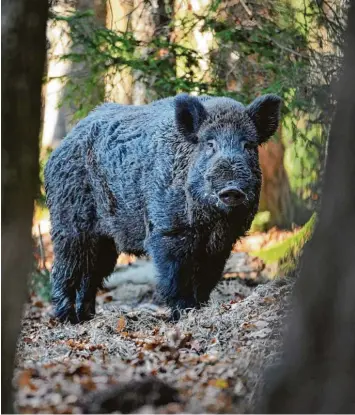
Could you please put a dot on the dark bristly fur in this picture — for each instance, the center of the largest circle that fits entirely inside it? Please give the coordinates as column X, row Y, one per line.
column 145, row 179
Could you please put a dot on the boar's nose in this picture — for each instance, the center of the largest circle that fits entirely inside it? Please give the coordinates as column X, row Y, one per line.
column 232, row 196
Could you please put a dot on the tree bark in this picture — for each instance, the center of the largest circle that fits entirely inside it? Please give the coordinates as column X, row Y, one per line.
column 275, row 194
column 120, row 82
column 59, row 121
column 317, row 373
column 23, row 48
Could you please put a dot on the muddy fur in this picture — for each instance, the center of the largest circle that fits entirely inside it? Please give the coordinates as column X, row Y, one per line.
column 148, row 179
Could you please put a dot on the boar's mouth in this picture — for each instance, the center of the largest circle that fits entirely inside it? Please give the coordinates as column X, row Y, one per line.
column 232, row 196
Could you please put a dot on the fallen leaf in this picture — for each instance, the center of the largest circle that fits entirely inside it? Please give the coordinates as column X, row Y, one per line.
column 248, row 326
column 150, row 345
column 88, row 384
column 49, row 365
column 52, row 322
column 207, row 358
column 121, row 324
column 25, row 380
column 195, row 345
column 219, row 383
column 187, row 337
column 269, row 300
column 238, row 298
column 81, row 370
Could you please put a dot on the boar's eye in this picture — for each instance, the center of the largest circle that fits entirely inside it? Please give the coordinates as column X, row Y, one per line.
column 250, row 145
column 211, row 146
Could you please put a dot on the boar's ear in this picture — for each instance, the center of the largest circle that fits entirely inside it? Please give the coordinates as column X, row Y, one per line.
column 265, row 113
column 189, row 115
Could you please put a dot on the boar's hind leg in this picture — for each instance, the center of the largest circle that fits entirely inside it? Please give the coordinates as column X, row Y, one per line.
column 101, row 262
column 175, row 268
column 65, row 276
column 80, row 265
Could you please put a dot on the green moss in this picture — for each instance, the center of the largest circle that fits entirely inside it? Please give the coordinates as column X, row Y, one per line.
column 286, row 253
column 261, row 222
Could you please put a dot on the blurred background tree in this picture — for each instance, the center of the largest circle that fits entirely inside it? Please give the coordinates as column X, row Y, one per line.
column 23, row 51
column 135, row 51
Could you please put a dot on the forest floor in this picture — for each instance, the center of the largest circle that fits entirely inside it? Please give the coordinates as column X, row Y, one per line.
column 211, row 361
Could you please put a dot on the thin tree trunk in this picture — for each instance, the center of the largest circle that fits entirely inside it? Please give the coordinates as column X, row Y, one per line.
column 318, row 371
column 119, row 84
column 23, row 48
column 143, row 25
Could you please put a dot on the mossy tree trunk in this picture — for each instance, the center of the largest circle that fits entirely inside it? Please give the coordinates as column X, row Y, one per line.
column 317, row 374
column 23, row 50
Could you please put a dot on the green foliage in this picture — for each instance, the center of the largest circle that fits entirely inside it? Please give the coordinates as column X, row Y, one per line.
column 291, row 48
column 303, row 157
column 272, row 54
column 41, row 197
column 260, row 222
column 40, row 284
column 286, row 253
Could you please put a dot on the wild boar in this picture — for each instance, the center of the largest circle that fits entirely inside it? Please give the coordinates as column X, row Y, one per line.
column 178, row 179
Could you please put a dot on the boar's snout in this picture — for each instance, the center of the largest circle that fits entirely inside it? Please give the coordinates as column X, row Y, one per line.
column 232, row 196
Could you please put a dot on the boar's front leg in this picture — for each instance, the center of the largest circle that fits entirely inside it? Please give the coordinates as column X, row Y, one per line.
column 174, row 263
column 208, row 273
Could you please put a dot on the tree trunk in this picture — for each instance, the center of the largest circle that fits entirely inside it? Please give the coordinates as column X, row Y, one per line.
column 55, row 119
column 120, row 82
column 146, row 20
column 275, row 194
column 23, row 44
column 318, row 370
column 59, row 121
column 143, row 25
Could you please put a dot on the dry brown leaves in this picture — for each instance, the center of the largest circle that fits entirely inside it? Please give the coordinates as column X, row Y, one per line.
column 259, row 240
column 212, row 356
column 208, row 379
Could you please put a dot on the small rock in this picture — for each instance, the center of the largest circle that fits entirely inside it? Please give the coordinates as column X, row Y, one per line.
column 239, row 389
column 71, row 399
column 261, row 334
column 174, row 335
column 261, row 324
column 55, row 399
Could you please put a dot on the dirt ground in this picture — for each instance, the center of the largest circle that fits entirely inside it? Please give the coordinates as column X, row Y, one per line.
column 211, row 361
